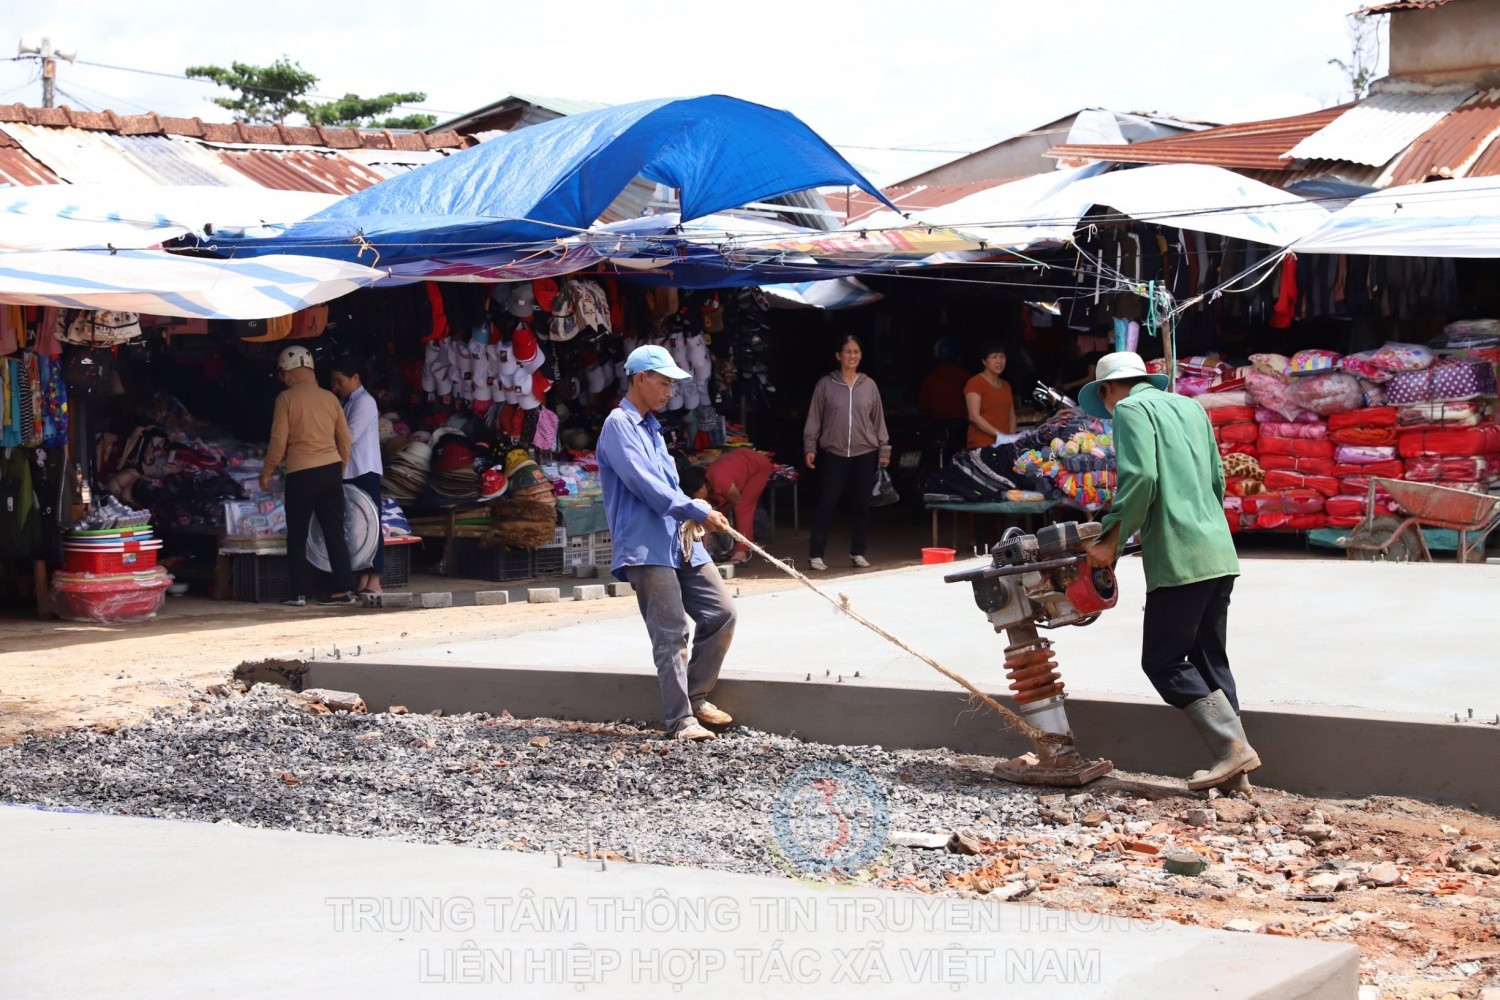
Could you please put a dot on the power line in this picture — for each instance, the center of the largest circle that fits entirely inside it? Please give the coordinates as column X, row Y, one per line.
column 263, row 90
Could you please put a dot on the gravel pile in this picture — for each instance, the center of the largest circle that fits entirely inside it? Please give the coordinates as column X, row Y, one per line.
column 262, row 760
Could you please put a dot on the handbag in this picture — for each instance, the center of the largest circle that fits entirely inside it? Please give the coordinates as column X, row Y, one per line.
column 884, row 493
column 104, row 328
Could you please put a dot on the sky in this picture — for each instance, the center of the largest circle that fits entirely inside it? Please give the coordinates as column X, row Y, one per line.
column 899, row 87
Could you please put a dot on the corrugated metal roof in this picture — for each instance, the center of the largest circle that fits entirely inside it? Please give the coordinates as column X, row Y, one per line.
column 1398, row 5
column 1451, row 147
column 301, row 170
column 1245, row 146
column 908, row 197
column 1378, row 128
column 78, row 156
column 19, row 167
column 172, row 161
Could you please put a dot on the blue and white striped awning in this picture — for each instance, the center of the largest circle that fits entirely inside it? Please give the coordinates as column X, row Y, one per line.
column 164, row 284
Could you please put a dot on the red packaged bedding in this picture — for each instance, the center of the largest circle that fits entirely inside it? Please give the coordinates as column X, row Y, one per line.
column 1264, row 415
column 1231, row 448
column 1240, row 433
column 1481, row 440
column 1237, row 486
column 1345, row 506
column 1298, row 447
column 1367, row 436
column 1291, row 522
column 1311, row 466
column 1231, row 415
column 1391, row 469
column 1284, row 430
column 1341, row 522
column 1369, row 416
column 1282, row 479
column 1283, row 502
column 1434, row 468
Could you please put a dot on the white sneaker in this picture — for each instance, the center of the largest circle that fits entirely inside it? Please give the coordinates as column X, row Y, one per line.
column 860, row 562
column 817, row 564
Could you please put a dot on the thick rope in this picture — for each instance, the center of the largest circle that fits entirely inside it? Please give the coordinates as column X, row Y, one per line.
column 842, row 603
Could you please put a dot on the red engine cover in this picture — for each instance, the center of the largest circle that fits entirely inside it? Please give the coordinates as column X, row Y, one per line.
column 1093, row 591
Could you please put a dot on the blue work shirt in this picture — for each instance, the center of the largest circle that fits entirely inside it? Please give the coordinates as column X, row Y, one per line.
column 643, row 500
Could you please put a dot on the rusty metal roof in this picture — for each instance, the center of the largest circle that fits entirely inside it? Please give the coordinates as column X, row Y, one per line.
column 1246, row 146
column 1381, row 126
column 19, row 167
column 53, row 145
column 1452, row 147
column 907, row 197
column 1399, row 5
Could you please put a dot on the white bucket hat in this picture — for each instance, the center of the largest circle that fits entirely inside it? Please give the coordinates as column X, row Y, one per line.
column 1111, row 368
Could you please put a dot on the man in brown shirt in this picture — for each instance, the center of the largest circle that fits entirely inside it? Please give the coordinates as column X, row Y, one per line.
column 310, row 432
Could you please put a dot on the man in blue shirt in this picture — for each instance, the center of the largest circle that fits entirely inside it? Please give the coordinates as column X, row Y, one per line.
column 657, row 532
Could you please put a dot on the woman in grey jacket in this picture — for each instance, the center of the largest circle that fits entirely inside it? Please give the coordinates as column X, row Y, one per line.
column 846, row 441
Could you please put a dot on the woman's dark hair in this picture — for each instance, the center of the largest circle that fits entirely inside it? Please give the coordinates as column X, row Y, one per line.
column 693, row 477
column 846, row 338
column 990, row 347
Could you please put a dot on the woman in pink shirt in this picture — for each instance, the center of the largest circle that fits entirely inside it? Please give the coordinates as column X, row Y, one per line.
column 732, row 482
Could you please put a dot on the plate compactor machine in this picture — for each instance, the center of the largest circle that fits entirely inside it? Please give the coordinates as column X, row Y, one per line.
column 1042, row 581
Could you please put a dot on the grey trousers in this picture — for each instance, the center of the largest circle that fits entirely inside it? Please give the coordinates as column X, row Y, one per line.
column 669, row 598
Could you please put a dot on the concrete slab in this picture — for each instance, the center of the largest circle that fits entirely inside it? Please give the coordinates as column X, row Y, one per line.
column 130, row 907
column 1352, row 635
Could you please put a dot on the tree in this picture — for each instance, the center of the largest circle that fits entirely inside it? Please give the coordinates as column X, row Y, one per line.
column 270, row 94
column 353, row 111
column 267, row 94
column 1364, row 54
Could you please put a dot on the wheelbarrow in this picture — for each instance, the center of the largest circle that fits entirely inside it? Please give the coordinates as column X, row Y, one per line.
column 1424, row 505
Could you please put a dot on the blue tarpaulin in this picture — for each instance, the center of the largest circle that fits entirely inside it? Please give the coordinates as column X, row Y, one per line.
column 551, row 180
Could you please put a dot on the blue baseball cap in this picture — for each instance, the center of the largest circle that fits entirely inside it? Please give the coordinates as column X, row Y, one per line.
column 652, row 358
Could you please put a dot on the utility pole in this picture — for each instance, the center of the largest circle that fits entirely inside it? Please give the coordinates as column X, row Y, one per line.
column 49, row 65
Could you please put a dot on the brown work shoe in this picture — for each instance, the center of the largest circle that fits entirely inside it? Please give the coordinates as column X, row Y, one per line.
column 692, row 731
column 710, row 714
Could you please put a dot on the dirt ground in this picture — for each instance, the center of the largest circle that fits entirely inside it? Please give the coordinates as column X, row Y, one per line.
column 1417, row 888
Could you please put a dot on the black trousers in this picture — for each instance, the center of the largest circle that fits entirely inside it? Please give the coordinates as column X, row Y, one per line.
column 1182, row 649
column 316, row 493
column 836, row 475
column 369, row 483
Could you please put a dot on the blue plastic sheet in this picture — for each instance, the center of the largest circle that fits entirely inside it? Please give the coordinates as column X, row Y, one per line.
column 554, row 179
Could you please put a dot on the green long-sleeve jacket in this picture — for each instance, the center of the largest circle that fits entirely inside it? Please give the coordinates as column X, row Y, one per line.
column 1171, row 489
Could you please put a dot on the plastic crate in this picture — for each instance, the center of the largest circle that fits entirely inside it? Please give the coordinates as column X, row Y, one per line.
column 397, row 572
column 572, row 559
column 499, row 564
column 261, row 579
column 548, row 561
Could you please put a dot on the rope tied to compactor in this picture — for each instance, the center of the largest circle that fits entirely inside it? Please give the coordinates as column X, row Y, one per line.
column 844, row 605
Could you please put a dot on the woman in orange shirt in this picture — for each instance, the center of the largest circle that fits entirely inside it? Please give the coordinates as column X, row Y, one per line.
column 992, row 408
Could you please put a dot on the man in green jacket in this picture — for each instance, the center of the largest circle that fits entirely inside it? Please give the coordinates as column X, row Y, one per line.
column 1171, row 490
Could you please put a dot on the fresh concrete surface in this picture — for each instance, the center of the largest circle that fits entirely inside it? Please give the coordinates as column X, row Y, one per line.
column 1350, row 674
column 126, row 907
column 1320, row 751
column 1417, row 638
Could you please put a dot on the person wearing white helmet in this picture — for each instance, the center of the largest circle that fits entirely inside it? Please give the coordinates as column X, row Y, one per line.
column 310, row 432
column 1171, row 490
